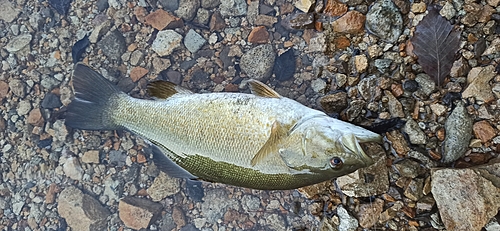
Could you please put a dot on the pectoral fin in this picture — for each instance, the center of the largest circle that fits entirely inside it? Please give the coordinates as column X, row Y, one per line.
column 260, row 89
column 278, row 132
column 164, row 89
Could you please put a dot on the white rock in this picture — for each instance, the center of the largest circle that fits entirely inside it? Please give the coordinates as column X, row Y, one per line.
column 166, row 42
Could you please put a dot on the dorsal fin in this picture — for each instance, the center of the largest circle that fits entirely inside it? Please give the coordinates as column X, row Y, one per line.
column 278, row 132
column 260, row 89
column 164, row 89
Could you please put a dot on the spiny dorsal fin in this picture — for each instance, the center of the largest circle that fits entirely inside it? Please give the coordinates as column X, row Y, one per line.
column 278, row 132
column 164, row 89
column 260, row 89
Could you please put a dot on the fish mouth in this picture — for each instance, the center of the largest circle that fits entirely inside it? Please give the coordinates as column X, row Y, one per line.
column 351, row 143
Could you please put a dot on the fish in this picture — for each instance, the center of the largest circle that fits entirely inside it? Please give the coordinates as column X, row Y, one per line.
column 260, row 140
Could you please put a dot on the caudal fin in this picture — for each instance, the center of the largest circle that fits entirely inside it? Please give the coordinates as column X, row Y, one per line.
column 95, row 97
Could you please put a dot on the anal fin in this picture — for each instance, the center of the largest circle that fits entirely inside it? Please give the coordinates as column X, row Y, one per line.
column 168, row 166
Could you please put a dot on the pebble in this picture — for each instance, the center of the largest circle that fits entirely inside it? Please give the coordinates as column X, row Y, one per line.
column 334, row 103
column 35, row 118
column 18, row 43
column 414, row 190
column 415, row 133
column 361, row 63
column 284, row 65
column 194, row 41
column 250, row 203
column 347, row 221
column 52, row 191
column 304, row 5
column 137, row 73
column 72, row 167
column 318, row 85
column 202, row 16
column 275, row 222
column 169, row 5
column 479, row 87
column 187, row 9
column 138, row 213
column 493, row 48
column 335, row 8
column 81, row 211
column 4, row 89
column 369, row 88
column 448, row 11
column 161, row 19
column 352, row 22
column 166, row 42
column 460, row 68
column 483, row 131
column 438, row 109
column 382, row 65
column 18, row 87
column 217, row 23
column 215, row 203
column 232, row 8
column 369, row 181
column 8, row 12
column 398, row 142
column 458, row 128
column 113, row 45
column 258, row 35
column 258, row 62
column 160, row 64
column 384, row 20
column 394, row 106
column 368, row 214
column 51, row 101
column 453, row 190
column 427, row 85
column 91, row 157
column 163, row 186
column 209, row 4
column 23, row 107
column 265, row 20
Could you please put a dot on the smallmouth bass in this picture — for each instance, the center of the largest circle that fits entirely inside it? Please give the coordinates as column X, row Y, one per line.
column 260, row 140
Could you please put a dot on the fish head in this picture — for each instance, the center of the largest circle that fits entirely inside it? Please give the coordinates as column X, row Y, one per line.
column 325, row 149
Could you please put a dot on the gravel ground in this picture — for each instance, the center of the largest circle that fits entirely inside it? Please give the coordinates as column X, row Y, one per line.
column 350, row 58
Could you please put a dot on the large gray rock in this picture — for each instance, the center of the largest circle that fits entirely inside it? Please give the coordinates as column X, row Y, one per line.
column 233, row 8
column 193, row 41
column 8, row 12
column 384, row 20
column 458, row 128
column 81, row 211
column 113, row 45
column 467, row 198
column 258, row 62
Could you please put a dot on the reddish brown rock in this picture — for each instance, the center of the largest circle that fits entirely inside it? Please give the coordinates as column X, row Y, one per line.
column 50, row 197
column 353, row 22
column 335, row 8
column 179, row 217
column 4, row 89
column 35, row 117
column 140, row 13
column 138, row 213
column 217, row 23
column 259, row 35
column 137, row 73
column 484, row 131
column 161, row 19
column 341, row 42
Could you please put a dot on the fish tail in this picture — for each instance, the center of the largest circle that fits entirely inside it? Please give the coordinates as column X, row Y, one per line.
column 95, row 99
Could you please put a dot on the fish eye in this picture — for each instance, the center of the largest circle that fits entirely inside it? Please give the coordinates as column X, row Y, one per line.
column 336, row 162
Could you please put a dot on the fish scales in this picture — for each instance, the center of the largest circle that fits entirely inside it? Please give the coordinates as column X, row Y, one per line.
column 260, row 140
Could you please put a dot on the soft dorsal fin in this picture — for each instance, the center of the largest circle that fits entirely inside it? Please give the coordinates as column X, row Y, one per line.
column 164, row 89
column 278, row 132
column 260, row 89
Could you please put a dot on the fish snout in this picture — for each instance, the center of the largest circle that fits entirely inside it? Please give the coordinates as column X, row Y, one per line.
column 352, row 144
